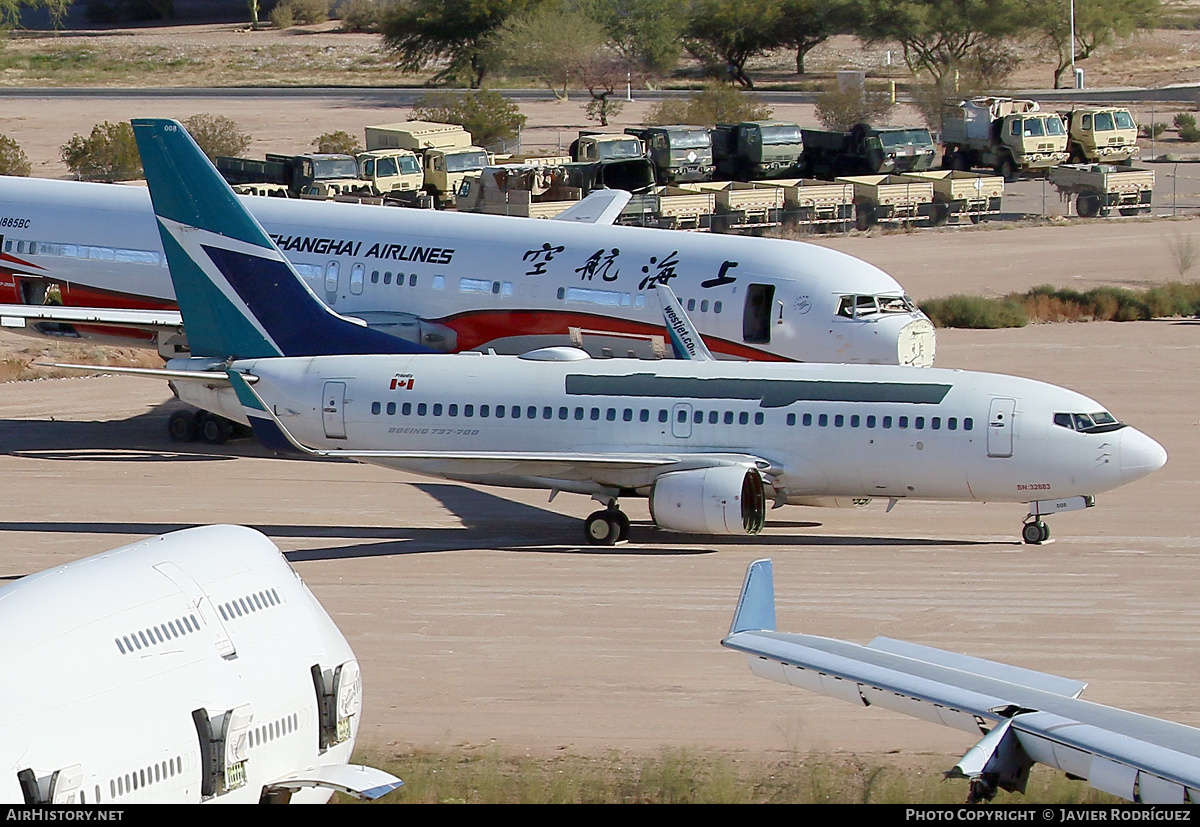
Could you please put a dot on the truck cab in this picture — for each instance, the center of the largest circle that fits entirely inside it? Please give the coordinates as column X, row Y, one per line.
column 1106, row 135
column 679, row 152
column 395, row 170
column 600, row 146
column 752, row 150
column 1008, row 135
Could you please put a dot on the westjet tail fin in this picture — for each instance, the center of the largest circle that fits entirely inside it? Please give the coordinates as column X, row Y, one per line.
column 685, row 338
column 239, row 296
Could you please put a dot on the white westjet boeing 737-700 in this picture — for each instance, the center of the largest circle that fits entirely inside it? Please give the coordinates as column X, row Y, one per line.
column 708, row 442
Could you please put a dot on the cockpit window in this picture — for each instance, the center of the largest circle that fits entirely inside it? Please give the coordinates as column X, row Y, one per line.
column 1095, row 423
column 860, row 306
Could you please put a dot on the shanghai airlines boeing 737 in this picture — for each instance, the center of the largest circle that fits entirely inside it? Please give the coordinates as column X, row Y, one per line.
column 708, row 442
column 192, row 667
column 450, row 282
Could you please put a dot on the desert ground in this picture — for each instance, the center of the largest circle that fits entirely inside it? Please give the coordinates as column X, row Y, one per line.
column 479, row 617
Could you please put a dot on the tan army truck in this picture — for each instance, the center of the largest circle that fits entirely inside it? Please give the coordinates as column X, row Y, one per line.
column 962, row 195
column 812, row 202
column 528, row 191
column 670, row 208
column 742, row 205
column 897, row 199
column 446, row 151
column 1099, row 188
column 1101, row 135
column 1002, row 134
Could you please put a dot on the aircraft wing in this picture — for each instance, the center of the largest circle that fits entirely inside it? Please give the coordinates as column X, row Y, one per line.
column 20, row 315
column 353, row 779
column 601, row 207
column 1036, row 717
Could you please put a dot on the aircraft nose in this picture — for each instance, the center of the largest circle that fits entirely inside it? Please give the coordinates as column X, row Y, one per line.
column 1140, row 455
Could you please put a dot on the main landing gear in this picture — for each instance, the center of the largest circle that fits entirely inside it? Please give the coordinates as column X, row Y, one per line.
column 607, row 527
column 190, row 426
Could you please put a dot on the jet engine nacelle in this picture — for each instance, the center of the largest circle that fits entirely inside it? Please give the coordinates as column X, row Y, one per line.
column 723, row 500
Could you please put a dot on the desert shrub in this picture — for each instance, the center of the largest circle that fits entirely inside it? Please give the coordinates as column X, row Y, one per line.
column 1185, row 123
column 217, row 135
column 12, row 159
column 109, row 153
column 340, row 142
column 361, row 15
column 283, row 16
column 974, row 312
column 841, row 108
column 1152, row 130
column 715, row 103
column 305, row 12
column 487, row 115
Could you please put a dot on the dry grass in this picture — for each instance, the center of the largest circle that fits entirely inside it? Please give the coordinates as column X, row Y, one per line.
column 695, row 776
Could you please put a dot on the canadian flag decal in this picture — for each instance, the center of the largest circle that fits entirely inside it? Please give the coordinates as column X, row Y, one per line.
column 402, row 382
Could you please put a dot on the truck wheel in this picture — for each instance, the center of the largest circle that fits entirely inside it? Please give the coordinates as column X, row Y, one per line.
column 864, row 217
column 1130, row 210
column 1007, row 170
column 1088, row 206
column 1076, row 156
column 940, row 214
column 961, row 162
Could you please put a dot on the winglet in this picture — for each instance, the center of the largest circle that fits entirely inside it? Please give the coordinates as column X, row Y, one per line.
column 685, row 339
column 756, row 604
column 239, row 296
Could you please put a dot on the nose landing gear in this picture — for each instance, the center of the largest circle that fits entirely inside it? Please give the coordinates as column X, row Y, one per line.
column 607, row 527
column 1035, row 532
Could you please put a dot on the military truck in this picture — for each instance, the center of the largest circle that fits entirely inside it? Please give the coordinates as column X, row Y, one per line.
column 296, row 172
column 757, row 149
column 679, row 152
column 867, row 150
column 1100, row 188
column 1101, row 135
column 1002, row 134
column 526, row 190
column 958, row 194
column 446, row 152
column 900, row 199
column 606, row 146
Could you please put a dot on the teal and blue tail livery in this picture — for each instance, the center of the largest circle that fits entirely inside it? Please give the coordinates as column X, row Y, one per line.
column 239, row 296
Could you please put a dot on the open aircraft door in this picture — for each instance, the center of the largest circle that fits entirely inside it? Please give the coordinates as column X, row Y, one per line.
column 1001, row 417
column 333, row 411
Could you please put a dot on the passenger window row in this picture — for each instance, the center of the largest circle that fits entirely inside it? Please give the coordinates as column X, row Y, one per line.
column 919, row 423
column 127, row 644
column 144, row 777
column 563, row 412
column 251, row 603
column 275, row 729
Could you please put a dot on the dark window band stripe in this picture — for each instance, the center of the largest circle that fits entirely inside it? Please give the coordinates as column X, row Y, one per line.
column 770, row 393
